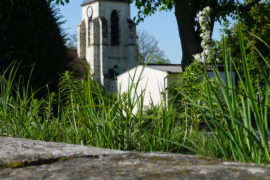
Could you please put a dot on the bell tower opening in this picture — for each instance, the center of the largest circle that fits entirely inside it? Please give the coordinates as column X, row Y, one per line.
column 114, row 28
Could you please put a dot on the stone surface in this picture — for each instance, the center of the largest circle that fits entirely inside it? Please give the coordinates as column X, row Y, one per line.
column 13, row 150
column 27, row 159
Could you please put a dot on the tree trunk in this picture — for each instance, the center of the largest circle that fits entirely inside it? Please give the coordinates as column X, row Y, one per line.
column 190, row 40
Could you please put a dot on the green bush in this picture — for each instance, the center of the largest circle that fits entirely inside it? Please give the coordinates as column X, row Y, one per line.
column 191, row 84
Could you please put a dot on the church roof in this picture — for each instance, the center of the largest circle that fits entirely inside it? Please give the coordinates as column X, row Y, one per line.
column 169, row 68
column 90, row 1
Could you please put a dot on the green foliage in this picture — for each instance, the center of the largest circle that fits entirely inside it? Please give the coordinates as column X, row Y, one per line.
column 186, row 12
column 236, row 114
column 149, row 7
column 30, row 34
column 84, row 113
column 221, row 8
column 191, row 84
column 255, row 27
column 78, row 66
column 239, row 121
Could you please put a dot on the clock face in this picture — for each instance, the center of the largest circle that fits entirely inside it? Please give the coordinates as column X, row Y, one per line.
column 89, row 12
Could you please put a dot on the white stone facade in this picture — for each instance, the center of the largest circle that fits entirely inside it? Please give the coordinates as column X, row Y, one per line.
column 95, row 40
column 150, row 81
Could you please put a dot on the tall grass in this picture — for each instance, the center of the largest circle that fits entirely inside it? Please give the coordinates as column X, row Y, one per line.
column 82, row 112
column 239, row 119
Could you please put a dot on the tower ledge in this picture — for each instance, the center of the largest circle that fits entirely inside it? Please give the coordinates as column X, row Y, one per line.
column 85, row 2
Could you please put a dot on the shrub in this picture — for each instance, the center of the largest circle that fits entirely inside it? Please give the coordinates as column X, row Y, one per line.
column 191, row 84
column 79, row 67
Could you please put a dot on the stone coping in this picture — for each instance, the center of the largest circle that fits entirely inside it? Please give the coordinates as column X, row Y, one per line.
column 29, row 159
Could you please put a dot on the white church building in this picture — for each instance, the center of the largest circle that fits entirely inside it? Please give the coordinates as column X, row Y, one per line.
column 107, row 41
column 151, row 80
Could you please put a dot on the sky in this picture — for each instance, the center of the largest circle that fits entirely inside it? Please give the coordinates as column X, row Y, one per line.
column 161, row 25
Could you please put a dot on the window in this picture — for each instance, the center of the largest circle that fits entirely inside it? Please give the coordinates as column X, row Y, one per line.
column 89, row 34
column 114, row 28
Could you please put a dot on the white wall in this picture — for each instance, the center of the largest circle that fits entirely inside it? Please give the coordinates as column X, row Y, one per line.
column 152, row 81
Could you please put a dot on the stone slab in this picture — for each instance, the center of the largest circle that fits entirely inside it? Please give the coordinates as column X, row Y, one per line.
column 27, row 159
column 14, row 150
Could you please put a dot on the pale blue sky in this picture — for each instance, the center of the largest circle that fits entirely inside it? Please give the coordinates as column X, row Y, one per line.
column 162, row 25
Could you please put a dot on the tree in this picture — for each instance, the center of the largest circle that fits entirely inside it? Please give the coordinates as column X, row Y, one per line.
column 148, row 50
column 30, row 35
column 71, row 41
column 186, row 15
column 58, row 1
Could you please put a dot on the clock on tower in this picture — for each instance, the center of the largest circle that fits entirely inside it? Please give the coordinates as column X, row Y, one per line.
column 89, row 12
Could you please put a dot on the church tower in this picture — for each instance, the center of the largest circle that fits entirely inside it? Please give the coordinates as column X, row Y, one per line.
column 107, row 39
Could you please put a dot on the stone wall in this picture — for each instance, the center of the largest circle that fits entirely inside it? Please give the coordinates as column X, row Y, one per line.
column 28, row 159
